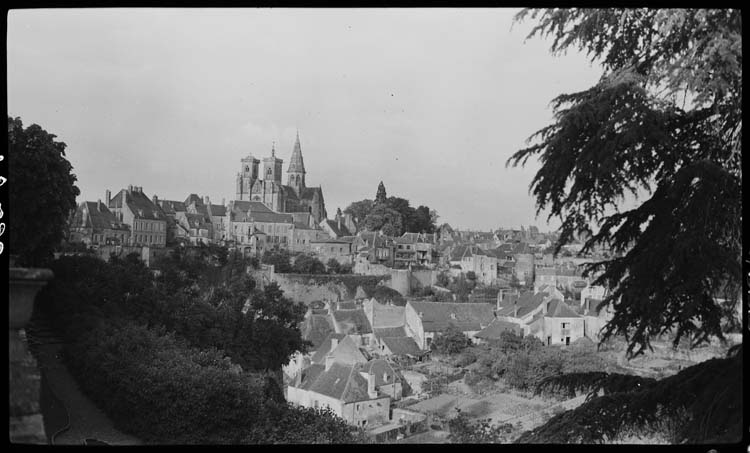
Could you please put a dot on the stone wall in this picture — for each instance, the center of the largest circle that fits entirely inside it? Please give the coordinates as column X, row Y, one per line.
column 308, row 288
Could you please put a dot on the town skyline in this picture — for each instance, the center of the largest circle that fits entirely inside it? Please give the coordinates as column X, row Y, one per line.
column 160, row 99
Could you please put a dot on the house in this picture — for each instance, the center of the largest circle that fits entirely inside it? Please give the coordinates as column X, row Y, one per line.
column 544, row 314
column 147, row 222
column 249, row 218
column 347, row 389
column 336, row 228
column 495, row 329
column 301, row 236
column 171, row 208
column 343, row 348
column 328, row 249
column 425, row 320
column 482, row 263
column 387, row 381
column 94, row 224
column 567, row 276
column 353, row 322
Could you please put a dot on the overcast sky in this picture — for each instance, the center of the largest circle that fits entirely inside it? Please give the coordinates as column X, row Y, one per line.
column 430, row 101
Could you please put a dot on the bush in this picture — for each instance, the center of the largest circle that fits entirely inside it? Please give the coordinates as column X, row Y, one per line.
column 452, row 341
column 306, row 264
column 334, row 267
column 466, row 358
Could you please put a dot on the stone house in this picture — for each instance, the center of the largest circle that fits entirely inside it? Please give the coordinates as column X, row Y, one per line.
column 544, row 314
column 482, row 263
column 346, row 389
column 94, row 224
column 425, row 320
column 327, row 249
column 247, row 217
column 147, row 222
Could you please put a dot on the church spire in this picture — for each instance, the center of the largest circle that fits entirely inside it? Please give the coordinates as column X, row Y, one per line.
column 296, row 164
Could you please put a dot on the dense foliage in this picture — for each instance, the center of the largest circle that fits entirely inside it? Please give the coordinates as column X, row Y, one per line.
column 392, row 215
column 42, row 193
column 452, row 341
column 280, row 259
column 464, row 431
column 665, row 119
column 707, row 396
column 308, row 264
column 190, row 356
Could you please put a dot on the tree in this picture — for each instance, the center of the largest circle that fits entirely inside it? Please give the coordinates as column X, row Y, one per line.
column 280, row 259
column 42, row 193
column 307, row 264
column 334, row 267
column 424, row 220
column 452, row 341
column 385, row 219
column 665, row 119
column 359, row 210
column 463, row 431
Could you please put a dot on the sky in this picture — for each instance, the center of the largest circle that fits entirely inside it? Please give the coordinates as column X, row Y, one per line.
column 430, row 101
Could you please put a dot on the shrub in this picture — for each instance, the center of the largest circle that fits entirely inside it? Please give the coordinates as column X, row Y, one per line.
column 306, row 264
column 452, row 341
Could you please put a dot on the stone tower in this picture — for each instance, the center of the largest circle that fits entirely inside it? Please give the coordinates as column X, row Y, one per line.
column 246, row 177
column 296, row 171
column 272, row 167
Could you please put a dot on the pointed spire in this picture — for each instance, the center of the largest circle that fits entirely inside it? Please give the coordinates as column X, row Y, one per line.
column 296, row 163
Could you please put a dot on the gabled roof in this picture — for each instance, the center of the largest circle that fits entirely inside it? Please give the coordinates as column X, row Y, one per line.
column 402, row 345
column 193, row 198
column 526, row 303
column 258, row 212
column 325, row 347
column 98, row 217
column 389, row 332
column 333, row 225
column 559, row 309
column 342, row 382
column 316, row 329
column 383, row 371
column 437, row 316
column 139, row 204
column 496, row 327
column 386, row 316
column 217, row 210
column 171, row 206
column 353, row 321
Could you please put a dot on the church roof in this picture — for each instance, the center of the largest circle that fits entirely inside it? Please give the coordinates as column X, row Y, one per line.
column 309, row 192
column 296, row 164
column 259, row 212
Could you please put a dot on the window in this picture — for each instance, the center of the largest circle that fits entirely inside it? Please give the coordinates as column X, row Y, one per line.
column 565, row 325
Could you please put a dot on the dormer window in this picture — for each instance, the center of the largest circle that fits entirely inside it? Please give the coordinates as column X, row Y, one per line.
column 453, row 316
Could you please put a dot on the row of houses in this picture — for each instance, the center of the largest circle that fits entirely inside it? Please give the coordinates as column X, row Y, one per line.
column 356, row 343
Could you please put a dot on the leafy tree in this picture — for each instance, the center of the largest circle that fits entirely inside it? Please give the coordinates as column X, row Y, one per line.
column 307, row 264
column 385, row 219
column 452, row 341
column 359, row 210
column 665, row 119
column 443, row 279
column 42, row 194
column 424, row 221
column 334, row 267
column 280, row 259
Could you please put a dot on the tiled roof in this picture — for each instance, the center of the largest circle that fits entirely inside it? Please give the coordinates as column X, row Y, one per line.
column 193, row 198
column 389, row 332
column 350, row 305
column 325, row 347
column 217, row 210
column 342, row 382
column 526, row 303
column 385, row 316
column 496, row 327
column 380, row 368
column 139, row 204
column 559, row 309
column 437, row 316
column 316, row 329
column 353, row 321
column 99, row 217
column 309, row 192
column 402, row 345
column 171, row 206
column 259, row 212
column 333, row 225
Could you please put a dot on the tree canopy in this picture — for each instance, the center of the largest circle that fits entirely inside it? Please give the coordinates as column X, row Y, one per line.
column 42, row 193
column 665, row 119
column 393, row 215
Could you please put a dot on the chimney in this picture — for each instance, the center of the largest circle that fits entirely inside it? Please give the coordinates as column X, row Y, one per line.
column 515, row 309
column 99, row 205
column 329, row 361
column 371, row 392
column 130, row 188
column 334, row 343
column 107, row 197
column 206, row 201
column 298, row 378
column 155, row 200
column 338, row 219
column 223, row 203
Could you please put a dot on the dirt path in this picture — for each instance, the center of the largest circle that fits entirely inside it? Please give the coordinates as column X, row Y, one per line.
column 85, row 420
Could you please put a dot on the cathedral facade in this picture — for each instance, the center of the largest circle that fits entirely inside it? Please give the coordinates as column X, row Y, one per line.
column 295, row 197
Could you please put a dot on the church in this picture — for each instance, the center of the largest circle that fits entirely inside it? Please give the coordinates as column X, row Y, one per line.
column 295, row 197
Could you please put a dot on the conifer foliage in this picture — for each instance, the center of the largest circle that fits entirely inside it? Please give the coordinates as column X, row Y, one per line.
column 665, row 119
